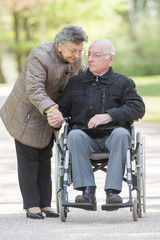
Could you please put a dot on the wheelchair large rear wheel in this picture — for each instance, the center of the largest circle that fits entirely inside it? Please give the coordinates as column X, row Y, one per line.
column 141, row 175
column 59, row 172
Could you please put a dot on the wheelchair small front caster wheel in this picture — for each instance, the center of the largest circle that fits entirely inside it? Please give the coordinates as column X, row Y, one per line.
column 135, row 210
column 63, row 213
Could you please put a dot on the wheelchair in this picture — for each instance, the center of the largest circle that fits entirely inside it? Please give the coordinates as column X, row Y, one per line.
column 135, row 176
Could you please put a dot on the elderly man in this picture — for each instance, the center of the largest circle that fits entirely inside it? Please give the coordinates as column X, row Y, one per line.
column 44, row 76
column 100, row 103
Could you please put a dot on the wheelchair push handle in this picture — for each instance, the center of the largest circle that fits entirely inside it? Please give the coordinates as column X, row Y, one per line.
column 132, row 131
column 66, row 127
column 66, row 119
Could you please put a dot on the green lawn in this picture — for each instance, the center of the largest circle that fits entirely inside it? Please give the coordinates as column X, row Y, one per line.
column 149, row 88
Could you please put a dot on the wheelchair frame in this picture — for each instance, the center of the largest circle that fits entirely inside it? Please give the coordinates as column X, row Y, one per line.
column 136, row 178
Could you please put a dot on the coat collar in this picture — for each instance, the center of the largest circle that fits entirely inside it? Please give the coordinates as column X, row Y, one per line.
column 105, row 78
column 58, row 54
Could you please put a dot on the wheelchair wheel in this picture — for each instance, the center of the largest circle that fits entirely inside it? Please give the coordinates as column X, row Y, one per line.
column 141, row 175
column 144, row 175
column 139, row 171
column 63, row 195
column 58, row 172
column 135, row 211
column 63, row 210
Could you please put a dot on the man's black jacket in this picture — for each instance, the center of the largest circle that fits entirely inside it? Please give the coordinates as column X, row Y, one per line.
column 86, row 95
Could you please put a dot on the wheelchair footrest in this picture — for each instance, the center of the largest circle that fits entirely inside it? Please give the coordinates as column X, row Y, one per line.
column 116, row 206
column 86, row 206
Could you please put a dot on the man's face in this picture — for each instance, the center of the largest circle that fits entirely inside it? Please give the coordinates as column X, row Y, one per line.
column 70, row 51
column 99, row 59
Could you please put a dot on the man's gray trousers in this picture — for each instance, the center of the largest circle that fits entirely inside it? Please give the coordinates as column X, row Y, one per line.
column 80, row 146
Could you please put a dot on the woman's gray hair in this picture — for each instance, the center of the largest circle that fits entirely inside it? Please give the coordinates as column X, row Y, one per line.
column 72, row 34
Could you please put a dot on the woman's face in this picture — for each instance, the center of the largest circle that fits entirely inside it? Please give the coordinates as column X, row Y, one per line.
column 70, row 51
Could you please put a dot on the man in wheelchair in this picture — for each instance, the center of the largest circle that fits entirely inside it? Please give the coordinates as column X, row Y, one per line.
column 101, row 104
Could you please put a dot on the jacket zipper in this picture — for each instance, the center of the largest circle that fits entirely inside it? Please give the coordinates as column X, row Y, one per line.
column 27, row 119
column 103, row 101
column 29, row 114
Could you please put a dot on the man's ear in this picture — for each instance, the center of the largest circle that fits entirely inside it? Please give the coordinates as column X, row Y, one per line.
column 111, row 60
column 59, row 46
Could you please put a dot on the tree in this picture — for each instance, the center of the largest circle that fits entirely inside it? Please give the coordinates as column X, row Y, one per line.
column 25, row 27
column 132, row 25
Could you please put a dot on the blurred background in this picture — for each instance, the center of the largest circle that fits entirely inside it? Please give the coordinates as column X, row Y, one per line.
column 132, row 26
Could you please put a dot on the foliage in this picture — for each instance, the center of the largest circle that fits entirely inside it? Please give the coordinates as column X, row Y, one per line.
column 132, row 26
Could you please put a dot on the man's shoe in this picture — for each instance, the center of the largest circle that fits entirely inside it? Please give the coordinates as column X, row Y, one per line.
column 88, row 196
column 113, row 197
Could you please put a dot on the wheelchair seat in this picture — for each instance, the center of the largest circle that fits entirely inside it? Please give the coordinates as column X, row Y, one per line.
column 99, row 161
column 99, row 156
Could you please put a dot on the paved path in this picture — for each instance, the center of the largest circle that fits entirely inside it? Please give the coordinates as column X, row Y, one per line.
column 80, row 224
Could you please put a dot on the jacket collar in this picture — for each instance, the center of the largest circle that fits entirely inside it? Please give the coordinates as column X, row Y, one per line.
column 58, row 54
column 105, row 78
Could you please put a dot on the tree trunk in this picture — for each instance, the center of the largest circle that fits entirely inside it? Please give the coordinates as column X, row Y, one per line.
column 132, row 20
column 42, row 25
column 17, row 38
column 2, row 78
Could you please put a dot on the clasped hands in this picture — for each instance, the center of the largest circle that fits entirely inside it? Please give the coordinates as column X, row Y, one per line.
column 55, row 119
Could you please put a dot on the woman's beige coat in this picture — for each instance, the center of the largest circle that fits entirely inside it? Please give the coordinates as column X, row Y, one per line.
column 43, row 78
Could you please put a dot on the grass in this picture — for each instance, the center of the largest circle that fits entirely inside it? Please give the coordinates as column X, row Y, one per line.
column 149, row 88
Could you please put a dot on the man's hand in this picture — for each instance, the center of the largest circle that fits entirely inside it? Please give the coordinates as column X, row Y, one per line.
column 55, row 118
column 99, row 119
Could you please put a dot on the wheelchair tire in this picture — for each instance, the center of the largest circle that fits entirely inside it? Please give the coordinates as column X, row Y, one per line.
column 143, row 175
column 139, row 173
column 135, row 210
column 58, row 172
column 63, row 213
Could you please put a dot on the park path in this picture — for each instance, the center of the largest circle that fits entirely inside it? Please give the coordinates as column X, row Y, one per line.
column 80, row 224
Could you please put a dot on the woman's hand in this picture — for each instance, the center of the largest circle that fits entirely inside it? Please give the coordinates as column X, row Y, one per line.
column 55, row 118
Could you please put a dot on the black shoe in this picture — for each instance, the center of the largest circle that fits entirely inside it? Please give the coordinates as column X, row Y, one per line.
column 50, row 214
column 88, row 196
column 113, row 197
column 39, row 215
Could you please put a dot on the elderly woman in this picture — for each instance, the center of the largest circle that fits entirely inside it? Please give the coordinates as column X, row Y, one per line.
column 24, row 114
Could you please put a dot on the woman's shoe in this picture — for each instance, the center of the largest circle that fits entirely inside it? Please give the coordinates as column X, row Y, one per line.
column 50, row 214
column 39, row 215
